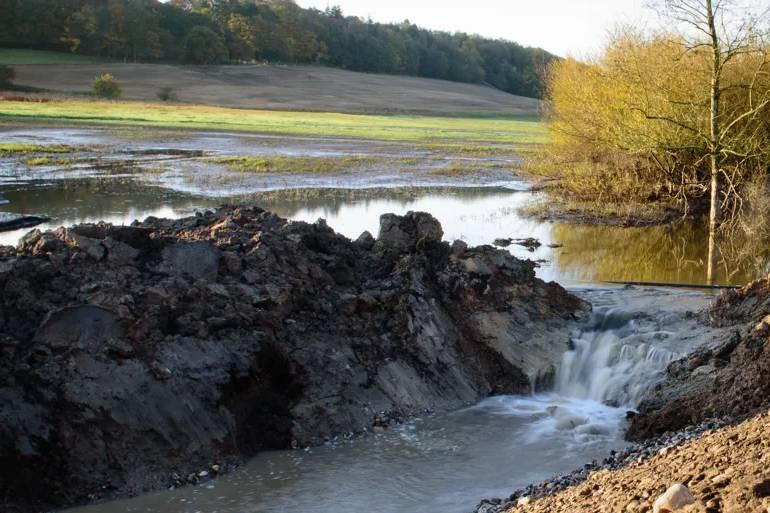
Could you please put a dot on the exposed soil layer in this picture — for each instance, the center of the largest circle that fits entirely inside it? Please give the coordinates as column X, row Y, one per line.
column 725, row 469
column 728, row 377
column 133, row 355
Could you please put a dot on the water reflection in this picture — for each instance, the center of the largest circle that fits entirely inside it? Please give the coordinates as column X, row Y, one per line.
column 673, row 254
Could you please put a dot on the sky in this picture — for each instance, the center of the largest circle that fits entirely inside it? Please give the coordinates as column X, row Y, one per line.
column 576, row 28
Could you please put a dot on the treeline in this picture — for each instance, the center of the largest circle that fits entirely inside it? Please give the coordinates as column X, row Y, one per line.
column 233, row 31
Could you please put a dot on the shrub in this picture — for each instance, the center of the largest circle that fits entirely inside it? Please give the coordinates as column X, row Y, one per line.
column 7, row 74
column 167, row 94
column 106, row 86
column 612, row 138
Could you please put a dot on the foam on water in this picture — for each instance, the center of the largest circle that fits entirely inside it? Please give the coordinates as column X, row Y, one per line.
column 613, row 363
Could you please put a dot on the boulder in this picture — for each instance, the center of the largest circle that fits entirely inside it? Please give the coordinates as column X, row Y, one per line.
column 674, row 499
column 402, row 233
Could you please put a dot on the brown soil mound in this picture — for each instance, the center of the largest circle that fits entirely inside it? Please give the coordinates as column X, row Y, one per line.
column 726, row 470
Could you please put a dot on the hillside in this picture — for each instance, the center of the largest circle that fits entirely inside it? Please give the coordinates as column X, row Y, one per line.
column 311, row 88
column 207, row 32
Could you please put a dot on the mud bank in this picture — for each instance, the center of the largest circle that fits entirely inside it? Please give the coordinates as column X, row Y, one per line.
column 728, row 377
column 136, row 355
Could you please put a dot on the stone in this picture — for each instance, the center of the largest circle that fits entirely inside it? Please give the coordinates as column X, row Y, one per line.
column 524, row 501
column 459, row 248
column 402, row 233
column 199, row 260
column 761, row 489
column 365, row 240
column 674, row 499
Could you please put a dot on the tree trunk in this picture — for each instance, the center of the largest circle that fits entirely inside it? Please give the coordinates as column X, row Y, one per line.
column 715, row 141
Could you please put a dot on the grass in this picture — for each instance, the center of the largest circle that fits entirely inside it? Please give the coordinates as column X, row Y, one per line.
column 469, row 132
column 14, row 56
column 49, row 161
column 24, row 149
column 475, row 150
column 284, row 164
column 556, row 207
column 463, row 168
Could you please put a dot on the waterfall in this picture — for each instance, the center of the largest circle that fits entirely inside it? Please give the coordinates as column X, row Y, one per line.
column 612, row 362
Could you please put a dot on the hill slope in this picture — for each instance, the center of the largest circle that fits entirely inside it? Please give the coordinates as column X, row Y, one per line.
column 312, row 88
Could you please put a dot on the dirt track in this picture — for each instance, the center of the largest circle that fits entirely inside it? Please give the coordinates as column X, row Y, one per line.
column 284, row 88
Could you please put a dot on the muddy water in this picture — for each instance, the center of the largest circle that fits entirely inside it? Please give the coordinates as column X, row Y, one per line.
column 449, row 462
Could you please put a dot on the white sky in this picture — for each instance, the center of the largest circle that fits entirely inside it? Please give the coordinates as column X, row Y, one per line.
column 564, row 27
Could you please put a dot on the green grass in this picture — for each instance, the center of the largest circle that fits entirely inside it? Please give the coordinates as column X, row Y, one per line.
column 475, row 150
column 24, row 149
column 48, row 161
column 14, row 56
column 284, row 164
column 420, row 129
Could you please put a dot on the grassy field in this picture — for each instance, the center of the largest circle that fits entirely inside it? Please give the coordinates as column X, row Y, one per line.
column 459, row 131
column 290, row 88
column 16, row 57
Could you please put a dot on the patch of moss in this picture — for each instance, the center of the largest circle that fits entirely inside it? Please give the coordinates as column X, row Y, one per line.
column 24, row 149
column 287, row 164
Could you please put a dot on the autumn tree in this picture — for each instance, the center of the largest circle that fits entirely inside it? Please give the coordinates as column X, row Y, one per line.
column 730, row 37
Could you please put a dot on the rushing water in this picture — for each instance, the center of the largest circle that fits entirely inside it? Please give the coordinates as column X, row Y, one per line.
column 449, row 462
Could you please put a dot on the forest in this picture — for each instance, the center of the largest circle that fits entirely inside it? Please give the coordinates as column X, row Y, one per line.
column 206, row 32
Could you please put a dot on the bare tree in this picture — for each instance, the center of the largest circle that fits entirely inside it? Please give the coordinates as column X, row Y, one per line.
column 727, row 32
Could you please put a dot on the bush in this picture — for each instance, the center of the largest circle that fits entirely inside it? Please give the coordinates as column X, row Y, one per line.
column 7, row 74
column 204, row 46
column 611, row 138
column 167, row 94
column 106, row 86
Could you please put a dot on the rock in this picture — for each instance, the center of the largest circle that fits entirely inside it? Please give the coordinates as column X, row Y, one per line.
column 530, row 243
column 365, row 240
column 9, row 222
column 524, row 501
column 503, row 243
column 674, row 499
column 459, row 248
column 404, row 232
column 761, row 489
column 192, row 259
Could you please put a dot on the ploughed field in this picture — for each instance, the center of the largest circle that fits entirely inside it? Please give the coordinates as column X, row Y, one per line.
column 295, row 88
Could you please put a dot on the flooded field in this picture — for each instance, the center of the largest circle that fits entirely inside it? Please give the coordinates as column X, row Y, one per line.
column 121, row 175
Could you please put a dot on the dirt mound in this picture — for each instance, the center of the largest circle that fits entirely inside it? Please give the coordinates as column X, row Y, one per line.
column 726, row 471
column 729, row 377
column 136, row 355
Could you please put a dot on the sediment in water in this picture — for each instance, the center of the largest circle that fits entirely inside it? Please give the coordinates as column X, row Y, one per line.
column 135, row 356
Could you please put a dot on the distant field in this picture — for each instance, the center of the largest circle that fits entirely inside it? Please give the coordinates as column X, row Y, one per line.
column 293, row 88
column 16, row 57
column 466, row 131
